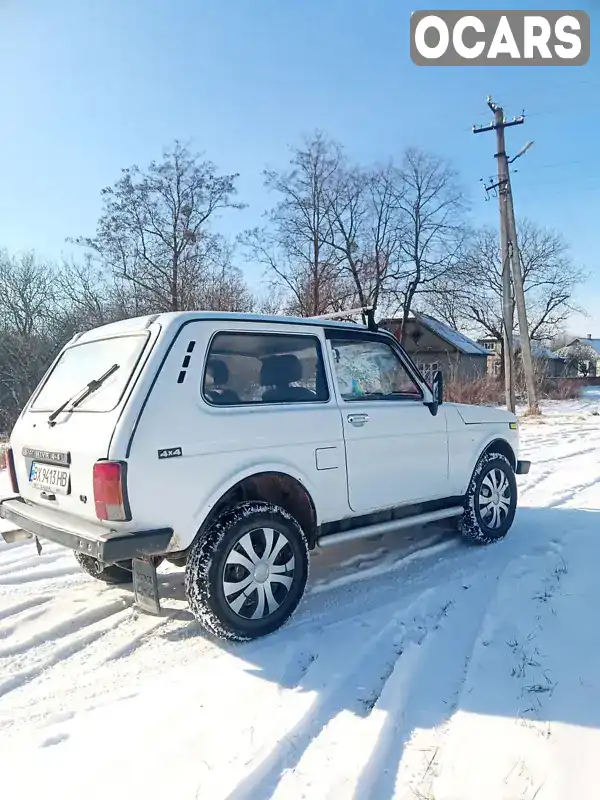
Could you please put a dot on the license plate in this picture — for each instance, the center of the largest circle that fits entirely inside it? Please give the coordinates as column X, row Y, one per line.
column 49, row 478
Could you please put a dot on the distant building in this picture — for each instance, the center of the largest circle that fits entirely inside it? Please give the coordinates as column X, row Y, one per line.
column 547, row 363
column 582, row 357
column 434, row 346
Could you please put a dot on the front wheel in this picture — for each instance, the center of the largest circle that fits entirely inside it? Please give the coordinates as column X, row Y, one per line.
column 491, row 500
column 246, row 576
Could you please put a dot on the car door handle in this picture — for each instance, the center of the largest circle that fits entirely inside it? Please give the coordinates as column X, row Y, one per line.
column 358, row 419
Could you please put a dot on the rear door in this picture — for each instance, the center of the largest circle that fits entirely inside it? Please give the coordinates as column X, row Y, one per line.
column 396, row 450
column 254, row 398
column 54, row 458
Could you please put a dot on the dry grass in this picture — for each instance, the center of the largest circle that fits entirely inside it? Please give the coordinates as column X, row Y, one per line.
column 490, row 391
column 480, row 392
column 560, row 389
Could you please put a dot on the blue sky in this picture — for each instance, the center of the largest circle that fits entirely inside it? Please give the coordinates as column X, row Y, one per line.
column 91, row 86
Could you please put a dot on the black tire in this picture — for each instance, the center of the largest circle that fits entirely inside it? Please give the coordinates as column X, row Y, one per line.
column 109, row 573
column 215, row 561
column 487, row 522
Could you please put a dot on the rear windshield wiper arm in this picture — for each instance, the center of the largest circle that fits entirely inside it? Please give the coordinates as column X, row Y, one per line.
column 82, row 394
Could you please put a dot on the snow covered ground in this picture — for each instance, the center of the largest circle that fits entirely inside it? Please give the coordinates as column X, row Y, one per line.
column 448, row 672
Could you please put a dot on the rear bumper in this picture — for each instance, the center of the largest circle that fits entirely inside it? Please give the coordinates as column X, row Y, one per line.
column 105, row 545
column 523, row 467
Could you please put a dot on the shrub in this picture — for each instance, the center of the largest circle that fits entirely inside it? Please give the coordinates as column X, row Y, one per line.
column 486, row 391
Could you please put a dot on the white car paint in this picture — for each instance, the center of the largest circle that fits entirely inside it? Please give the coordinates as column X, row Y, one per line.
column 401, row 455
column 476, row 415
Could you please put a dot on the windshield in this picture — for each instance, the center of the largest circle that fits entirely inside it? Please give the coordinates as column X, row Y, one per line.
column 82, row 363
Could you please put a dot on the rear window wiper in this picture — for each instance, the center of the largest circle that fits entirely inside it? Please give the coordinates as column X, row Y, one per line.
column 82, row 394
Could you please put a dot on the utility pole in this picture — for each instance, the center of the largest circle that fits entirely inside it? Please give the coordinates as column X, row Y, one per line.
column 510, row 255
column 526, row 355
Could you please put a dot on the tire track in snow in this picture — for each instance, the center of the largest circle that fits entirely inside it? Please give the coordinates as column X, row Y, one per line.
column 134, row 642
column 529, row 577
column 335, row 689
column 18, row 608
column 65, row 627
column 570, row 494
column 73, row 645
column 8, row 567
column 414, row 710
column 535, row 481
column 34, row 575
column 322, row 605
column 361, row 755
column 7, row 629
column 422, row 547
column 564, row 457
column 563, row 497
column 421, row 697
column 415, row 731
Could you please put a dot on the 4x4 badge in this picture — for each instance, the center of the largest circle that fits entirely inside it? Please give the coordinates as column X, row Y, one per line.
column 171, row 452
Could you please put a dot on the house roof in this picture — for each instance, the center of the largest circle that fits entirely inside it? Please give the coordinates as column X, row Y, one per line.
column 538, row 350
column 458, row 340
column 593, row 343
column 588, row 349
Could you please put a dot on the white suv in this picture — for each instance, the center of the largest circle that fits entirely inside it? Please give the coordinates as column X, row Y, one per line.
column 234, row 444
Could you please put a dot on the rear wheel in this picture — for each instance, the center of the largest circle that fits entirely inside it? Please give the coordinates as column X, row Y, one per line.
column 109, row 573
column 246, row 576
column 491, row 500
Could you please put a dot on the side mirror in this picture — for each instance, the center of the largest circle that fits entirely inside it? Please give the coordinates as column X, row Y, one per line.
column 437, row 391
column 438, row 388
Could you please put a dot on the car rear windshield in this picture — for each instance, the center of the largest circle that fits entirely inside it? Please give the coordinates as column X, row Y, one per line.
column 82, row 363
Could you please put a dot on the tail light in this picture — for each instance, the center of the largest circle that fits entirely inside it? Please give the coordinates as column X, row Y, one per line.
column 110, row 491
column 10, row 463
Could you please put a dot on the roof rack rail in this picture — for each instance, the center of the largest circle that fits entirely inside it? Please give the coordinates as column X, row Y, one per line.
column 152, row 318
column 367, row 313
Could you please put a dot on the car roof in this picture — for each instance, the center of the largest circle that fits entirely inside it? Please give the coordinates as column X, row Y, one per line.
column 177, row 318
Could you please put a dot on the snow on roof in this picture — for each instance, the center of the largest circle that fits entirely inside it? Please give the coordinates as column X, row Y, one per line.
column 538, row 350
column 458, row 340
column 593, row 343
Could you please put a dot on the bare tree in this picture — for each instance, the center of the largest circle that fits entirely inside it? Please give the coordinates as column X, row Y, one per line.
column 223, row 287
column 295, row 244
column 90, row 297
column 550, row 277
column 27, row 293
column 154, row 230
column 273, row 303
column 28, row 328
column 342, row 235
column 474, row 299
column 433, row 228
column 366, row 230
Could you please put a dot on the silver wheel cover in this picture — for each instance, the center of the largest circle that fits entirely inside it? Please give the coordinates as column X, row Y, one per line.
column 258, row 573
column 494, row 499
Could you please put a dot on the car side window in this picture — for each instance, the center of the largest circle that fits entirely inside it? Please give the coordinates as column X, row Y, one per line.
column 371, row 370
column 258, row 368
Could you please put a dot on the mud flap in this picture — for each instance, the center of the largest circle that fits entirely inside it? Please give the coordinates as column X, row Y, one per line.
column 145, row 585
